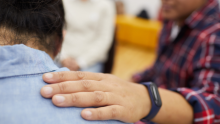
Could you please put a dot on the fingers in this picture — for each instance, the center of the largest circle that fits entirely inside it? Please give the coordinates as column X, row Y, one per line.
column 57, row 77
column 113, row 112
column 73, row 87
column 85, row 99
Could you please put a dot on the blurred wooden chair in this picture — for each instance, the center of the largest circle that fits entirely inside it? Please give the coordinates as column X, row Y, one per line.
column 138, row 31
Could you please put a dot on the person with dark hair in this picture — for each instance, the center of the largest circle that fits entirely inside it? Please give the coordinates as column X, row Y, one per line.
column 27, row 29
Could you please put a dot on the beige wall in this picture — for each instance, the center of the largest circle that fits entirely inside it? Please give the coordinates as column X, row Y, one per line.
column 134, row 6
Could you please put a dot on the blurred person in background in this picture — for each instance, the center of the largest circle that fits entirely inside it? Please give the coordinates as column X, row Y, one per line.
column 120, row 7
column 89, row 34
column 30, row 36
column 143, row 14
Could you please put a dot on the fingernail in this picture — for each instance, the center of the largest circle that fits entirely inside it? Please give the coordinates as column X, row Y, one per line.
column 59, row 99
column 88, row 114
column 47, row 90
column 48, row 75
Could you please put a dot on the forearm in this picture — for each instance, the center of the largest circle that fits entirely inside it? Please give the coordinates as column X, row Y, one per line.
column 175, row 109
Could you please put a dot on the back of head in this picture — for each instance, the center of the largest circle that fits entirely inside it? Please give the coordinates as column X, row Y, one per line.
column 37, row 21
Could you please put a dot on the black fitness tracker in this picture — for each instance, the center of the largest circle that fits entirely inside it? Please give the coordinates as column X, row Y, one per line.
column 155, row 101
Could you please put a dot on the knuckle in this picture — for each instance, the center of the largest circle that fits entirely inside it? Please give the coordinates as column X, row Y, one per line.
column 99, row 115
column 99, row 96
column 81, row 75
column 86, row 84
column 62, row 87
column 107, row 97
column 101, row 76
column 114, row 112
column 61, row 75
column 74, row 97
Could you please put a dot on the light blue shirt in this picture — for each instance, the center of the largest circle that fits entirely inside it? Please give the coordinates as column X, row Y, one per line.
column 21, row 70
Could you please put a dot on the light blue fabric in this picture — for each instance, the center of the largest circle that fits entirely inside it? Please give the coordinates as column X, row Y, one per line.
column 21, row 70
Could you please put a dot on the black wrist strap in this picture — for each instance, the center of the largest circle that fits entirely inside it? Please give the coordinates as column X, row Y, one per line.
column 155, row 101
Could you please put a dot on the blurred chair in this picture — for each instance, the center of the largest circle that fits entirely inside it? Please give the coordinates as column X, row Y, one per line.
column 138, row 31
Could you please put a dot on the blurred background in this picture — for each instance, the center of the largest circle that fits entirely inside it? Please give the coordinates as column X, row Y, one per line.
column 133, row 7
column 136, row 36
column 133, row 43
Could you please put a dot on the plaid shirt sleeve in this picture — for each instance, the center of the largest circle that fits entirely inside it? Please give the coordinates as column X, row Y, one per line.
column 204, row 94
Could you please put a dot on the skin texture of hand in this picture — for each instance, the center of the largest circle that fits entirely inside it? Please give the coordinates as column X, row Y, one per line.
column 71, row 64
column 117, row 99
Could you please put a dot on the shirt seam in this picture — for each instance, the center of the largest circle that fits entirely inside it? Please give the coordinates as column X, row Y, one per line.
column 25, row 75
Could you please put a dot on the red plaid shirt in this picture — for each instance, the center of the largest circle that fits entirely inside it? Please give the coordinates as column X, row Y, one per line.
column 190, row 65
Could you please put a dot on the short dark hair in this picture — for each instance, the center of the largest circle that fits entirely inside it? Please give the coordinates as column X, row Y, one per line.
column 39, row 19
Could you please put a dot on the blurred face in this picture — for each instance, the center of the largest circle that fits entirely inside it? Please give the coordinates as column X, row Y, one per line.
column 178, row 10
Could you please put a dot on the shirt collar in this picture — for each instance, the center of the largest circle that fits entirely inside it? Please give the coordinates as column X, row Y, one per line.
column 211, row 9
column 22, row 60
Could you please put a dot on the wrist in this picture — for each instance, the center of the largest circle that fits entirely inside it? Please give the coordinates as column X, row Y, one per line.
column 155, row 99
column 146, row 103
